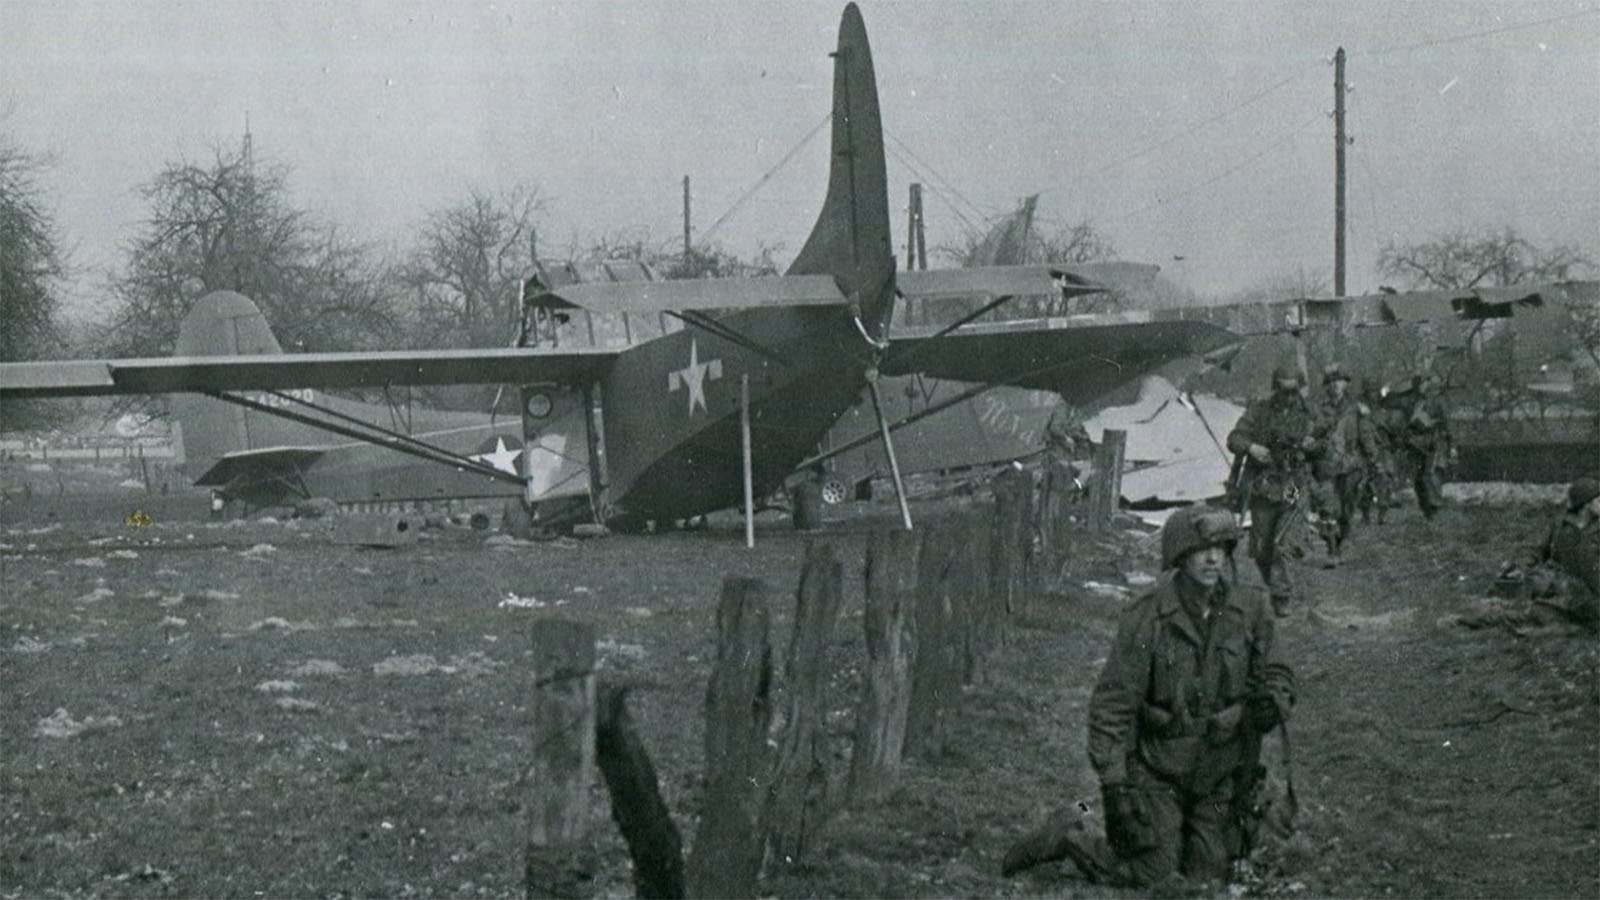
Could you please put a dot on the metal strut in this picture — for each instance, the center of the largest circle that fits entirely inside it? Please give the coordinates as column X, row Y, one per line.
column 888, row 449
column 367, row 433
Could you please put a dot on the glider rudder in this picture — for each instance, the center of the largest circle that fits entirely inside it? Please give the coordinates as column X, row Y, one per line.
column 851, row 240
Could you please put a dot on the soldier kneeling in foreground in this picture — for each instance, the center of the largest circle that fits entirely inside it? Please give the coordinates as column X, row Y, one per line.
column 1191, row 685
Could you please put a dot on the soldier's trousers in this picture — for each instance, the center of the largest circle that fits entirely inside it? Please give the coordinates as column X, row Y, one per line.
column 1189, row 833
column 1275, row 533
column 1424, row 471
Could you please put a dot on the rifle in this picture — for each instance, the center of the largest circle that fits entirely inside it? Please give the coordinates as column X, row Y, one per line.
column 1238, row 487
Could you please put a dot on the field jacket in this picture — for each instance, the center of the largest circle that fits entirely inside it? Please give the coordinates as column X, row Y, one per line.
column 1170, row 697
column 1282, row 423
column 1351, row 443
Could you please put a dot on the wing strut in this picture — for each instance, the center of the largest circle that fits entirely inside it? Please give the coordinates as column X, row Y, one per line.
column 918, row 348
column 705, row 323
column 888, row 450
column 367, row 433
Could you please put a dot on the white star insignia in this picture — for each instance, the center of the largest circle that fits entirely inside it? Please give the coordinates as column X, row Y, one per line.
column 501, row 457
column 694, row 375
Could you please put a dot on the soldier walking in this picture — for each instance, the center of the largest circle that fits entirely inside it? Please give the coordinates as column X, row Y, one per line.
column 1428, row 446
column 1192, row 682
column 1275, row 439
column 1385, row 426
column 1340, row 470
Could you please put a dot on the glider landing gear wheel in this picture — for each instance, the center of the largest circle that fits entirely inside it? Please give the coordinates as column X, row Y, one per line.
column 834, row 490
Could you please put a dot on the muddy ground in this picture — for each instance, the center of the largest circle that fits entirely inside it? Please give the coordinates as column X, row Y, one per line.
column 240, row 709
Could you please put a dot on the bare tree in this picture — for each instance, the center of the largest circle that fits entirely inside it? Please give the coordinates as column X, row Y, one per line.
column 464, row 275
column 1297, row 284
column 1466, row 259
column 229, row 226
column 1016, row 239
column 31, row 263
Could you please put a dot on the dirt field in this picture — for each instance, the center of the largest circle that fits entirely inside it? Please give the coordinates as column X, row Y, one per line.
column 243, row 710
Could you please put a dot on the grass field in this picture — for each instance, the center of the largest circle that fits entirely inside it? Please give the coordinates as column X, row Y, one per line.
column 242, row 709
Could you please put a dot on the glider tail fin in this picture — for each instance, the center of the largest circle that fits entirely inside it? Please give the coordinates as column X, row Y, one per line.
column 851, row 239
column 221, row 323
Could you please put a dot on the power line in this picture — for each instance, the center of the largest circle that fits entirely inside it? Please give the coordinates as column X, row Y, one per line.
column 932, row 188
column 1472, row 35
column 976, row 209
column 1226, row 172
column 751, row 191
column 1200, row 124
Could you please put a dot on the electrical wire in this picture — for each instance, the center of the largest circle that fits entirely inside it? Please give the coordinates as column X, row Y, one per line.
column 932, row 188
column 761, row 182
column 1268, row 148
column 1473, row 35
column 975, row 208
column 1297, row 75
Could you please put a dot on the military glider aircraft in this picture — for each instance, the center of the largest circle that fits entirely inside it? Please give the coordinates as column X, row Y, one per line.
column 642, row 422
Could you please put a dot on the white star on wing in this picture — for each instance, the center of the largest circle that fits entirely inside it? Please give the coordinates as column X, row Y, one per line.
column 501, row 457
column 693, row 376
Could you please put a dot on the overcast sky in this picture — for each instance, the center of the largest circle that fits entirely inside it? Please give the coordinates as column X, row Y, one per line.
column 1199, row 131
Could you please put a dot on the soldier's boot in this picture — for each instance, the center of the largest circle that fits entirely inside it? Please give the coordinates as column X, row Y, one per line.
column 1065, row 835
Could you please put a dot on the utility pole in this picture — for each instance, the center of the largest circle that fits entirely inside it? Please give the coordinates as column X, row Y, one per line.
column 686, row 220
column 914, row 238
column 916, row 246
column 1339, row 142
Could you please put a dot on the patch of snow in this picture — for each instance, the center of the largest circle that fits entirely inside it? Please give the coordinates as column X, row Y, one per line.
column 416, row 664
column 280, row 623
column 90, row 562
column 512, row 601
column 174, row 622
column 130, row 483
column 122, row 554
column 1505, row 493
column 96, row 595
column 295, row 704
column 278, row 686
column 258, row 551
column 609, row 648
column 61, row 724
column 28, row 644
column 314, row 667
column 1114, row 591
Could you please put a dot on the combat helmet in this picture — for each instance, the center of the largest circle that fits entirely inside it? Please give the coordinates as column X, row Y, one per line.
column 1196, row 527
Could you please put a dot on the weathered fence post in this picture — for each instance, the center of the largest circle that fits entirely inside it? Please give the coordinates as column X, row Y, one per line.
column 798, row 804
column 938, row 666
column 880, row 735
column 728, row 844
column 557, row 857
column 653, row 840
column 1107, row 485
column 981, row 608
column 1013, row 539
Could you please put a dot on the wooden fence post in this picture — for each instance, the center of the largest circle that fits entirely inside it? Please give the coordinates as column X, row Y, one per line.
column 728, row 845
column 938, row 666
column 982, row 609
column 798, row 804
column 653, row 840
column 557, row 861
column 1013, row 539
column 1107, row 487
column 880, row 735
